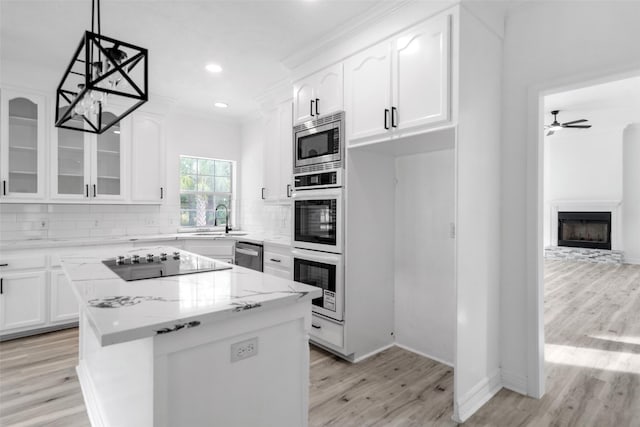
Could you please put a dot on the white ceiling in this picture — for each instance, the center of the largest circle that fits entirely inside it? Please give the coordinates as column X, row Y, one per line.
column 249, row 39
column 611, row 105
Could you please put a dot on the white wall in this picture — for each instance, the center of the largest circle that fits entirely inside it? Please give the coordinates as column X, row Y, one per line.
column 547, row 44
column 581, row 166
column 477, row 360
column 425, row 298
column 631, row 194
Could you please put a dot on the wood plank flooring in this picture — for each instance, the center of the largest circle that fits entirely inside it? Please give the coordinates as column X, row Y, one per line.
column 592, row 326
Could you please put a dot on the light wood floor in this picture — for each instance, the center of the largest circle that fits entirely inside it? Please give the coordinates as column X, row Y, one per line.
column 592, row 326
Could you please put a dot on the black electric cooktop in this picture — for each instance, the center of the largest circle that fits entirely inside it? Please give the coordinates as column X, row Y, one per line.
column 152, row 266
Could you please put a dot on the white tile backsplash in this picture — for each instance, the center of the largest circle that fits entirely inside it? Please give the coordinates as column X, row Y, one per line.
column 271, row 219
column 41, row 221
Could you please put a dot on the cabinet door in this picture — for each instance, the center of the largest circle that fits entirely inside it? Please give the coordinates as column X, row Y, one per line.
column 303, row 94
column 108, row 161
column 22, row 160
column 147, row 159
column 367, row 94
column 70, row 164
column 22, row 300
column 64, row 305
column 285, row 136
column 421, row 75
column 271, row 171
column 329, row 90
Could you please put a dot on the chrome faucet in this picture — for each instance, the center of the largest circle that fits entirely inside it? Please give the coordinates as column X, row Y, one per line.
column 227, row 229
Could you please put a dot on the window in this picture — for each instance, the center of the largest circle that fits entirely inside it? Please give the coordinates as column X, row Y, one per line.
column 204, row 185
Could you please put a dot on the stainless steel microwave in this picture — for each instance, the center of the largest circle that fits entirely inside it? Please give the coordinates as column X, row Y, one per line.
column 319, row 144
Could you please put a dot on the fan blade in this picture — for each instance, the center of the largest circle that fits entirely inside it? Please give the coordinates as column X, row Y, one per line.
column 577, row 126
column 550, row 133
column 575, row 121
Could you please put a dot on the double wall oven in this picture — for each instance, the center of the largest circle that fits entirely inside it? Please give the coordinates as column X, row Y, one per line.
column 318, row 216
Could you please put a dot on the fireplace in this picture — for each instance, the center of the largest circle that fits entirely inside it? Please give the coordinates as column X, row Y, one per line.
column 585, row 229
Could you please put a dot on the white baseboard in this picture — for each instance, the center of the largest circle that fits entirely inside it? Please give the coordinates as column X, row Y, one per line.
column 428, row 356
column 514, row 382
column 90, row 401
column 360, row 358
column 479, row 394
column 628, row 260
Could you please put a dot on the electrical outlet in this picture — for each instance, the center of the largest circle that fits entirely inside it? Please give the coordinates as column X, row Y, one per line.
column 243, row 349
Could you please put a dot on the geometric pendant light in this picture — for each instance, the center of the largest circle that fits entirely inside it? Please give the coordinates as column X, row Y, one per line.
column 103, row 72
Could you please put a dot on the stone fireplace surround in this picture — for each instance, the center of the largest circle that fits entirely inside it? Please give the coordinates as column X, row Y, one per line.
column 612, row 206
column 614, row 256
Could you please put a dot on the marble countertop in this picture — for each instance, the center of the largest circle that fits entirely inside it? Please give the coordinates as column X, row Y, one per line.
column 121, row 311
column 260, row 238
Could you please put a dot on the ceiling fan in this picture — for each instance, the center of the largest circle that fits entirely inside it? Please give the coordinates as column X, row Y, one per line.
column 553, row 127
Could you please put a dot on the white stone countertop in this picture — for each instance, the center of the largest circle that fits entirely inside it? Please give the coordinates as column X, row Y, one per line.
column 121, row 311
column 259, row 238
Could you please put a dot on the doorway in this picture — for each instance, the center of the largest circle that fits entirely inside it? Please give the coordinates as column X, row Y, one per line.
column 583, row 319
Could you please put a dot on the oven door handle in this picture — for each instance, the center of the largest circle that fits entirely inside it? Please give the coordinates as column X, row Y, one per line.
column 316, row 257
column 247, row 252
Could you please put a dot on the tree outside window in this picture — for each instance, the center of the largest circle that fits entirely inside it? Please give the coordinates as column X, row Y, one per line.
column 204, row 184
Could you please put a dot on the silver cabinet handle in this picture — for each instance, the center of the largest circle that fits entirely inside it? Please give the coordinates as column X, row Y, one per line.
column 247, row 252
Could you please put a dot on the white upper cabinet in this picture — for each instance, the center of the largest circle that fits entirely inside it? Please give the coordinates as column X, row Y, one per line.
column 318, row 95
column 147, row 159
column 278, row 156
column 22, row 147
column 87, row 166
column 421, row 75
column 368, row 92
column 400, row 86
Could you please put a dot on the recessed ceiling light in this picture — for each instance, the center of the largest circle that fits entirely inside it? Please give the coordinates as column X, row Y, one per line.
column 221, row 104
column 213, row 68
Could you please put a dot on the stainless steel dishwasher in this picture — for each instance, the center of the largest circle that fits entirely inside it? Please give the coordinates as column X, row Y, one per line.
column 248, row 255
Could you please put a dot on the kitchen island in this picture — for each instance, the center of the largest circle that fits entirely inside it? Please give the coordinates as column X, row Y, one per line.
column 217, row 348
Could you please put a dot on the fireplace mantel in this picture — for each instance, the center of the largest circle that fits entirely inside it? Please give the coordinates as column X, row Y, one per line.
column 612, row 206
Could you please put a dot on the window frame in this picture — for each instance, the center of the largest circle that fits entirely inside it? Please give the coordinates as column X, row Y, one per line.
column 230, row 195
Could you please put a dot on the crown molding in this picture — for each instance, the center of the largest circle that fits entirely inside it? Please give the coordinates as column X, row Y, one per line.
column 351, row 28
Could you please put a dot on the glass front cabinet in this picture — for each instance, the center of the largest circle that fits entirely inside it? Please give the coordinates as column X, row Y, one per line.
column 22, row 136
column 87, row 166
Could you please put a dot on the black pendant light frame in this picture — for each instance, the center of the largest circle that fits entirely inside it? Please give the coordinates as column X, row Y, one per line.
column 80, row 80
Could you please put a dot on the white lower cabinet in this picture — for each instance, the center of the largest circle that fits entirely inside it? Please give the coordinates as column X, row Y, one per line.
column 22, row 299
column 324, row 331
column 63, row 305
column 278, row 261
